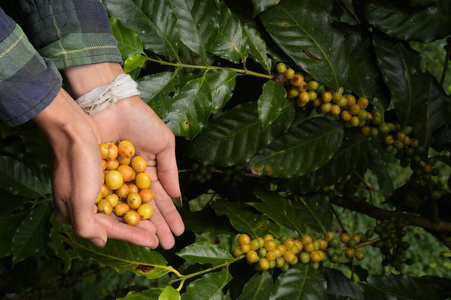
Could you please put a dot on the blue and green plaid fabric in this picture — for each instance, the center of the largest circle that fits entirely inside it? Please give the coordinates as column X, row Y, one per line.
column 50, row 35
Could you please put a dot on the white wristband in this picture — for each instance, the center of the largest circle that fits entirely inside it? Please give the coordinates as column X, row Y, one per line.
column 104, row 96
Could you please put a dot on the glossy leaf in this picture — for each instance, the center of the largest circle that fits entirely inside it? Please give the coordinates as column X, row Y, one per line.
column 205, row 253
column 207, row 221
column 305, row 34
column 424, row 24
column 151, row 294
column 221, row 142
column 258, row 287
column 8, row 227
column 278, row 209
column 153, row 21
column 197, row 22
column 258, row 48
column 191, row 109
column 156, row 89
column 208, row 287
column 120, row 255
column 316, row 212
column 10, row 203
column 348, row 156
column 231, row 41
column 169, row 293
column 340, row 285
column 300, row 282
column 271, row 102
column 400, row 66
column 302, row 149
column 31, row 234
column 18, row 179
column 399, row 286
column 60, row 246
column 222, row 83
column 129, row 42
column 262, row 5
column 135, row 61
column 242, row 217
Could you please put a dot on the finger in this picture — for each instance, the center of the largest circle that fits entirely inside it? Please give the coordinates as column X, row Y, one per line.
column 167, row 209
column 167, row 172
column 164, row 233
column 141, row 235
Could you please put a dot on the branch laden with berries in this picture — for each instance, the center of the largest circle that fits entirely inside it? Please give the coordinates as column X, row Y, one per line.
column 309, row 137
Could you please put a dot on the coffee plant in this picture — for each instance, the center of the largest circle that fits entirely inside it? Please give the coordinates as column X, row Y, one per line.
column 313, row 140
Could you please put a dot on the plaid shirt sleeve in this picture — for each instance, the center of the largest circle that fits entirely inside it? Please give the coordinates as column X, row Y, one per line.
column 28, row 82
column 70, row 33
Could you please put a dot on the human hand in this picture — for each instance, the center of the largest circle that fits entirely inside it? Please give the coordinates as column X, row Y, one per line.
column 132, row 119
column 77, row 175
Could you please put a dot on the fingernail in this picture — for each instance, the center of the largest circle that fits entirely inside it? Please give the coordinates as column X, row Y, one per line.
column 98, row 242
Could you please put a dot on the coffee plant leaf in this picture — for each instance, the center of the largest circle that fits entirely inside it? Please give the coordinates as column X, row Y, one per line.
column 424, row 24
column 315, row 211
column 340, row 285
column 346, row 159
column 8, row 227
column 158, row 31
column 18, row 179
column 258, row 287
column 208, row 286
column 305, row 34
column 301, row 150
column 32, row 233
column 222, row 83
column 271, row 102
column 258, row 48
column 191, row 109
column 120, row 255
column 380, row 167
column 221, row 141
column 156, row 89
column 206, row 220
column 300, row 282
column 262, row 5
column 133, row 62
column 129, row 42
column 400, row 66
column 197, row 22
column 10, row 203
column 231, row 42
column 243, row 217
column 399, row 287
column 205, row 253
column 151, row 294
column 169, row 293
column 280, row 210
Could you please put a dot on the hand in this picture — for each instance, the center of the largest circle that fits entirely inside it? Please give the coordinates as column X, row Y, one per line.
column 77, row 175
column 132, row 119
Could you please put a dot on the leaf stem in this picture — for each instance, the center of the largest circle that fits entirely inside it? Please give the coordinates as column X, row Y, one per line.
column 206, row 67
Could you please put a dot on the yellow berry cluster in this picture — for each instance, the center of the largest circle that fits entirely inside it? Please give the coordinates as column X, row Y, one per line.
column 125, row 189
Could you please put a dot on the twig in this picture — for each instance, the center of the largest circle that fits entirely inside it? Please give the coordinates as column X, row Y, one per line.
column 337, row 217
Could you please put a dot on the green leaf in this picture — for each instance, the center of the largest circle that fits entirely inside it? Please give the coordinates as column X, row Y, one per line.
column 258, row 287
column 133, row 62
column 350, row 154
column 129, row 42
column 231, row 40
column 153, row 21
column 340, row 285
column 169, row 293
column 151, row 294
column 305, row 34
column 10, row 203
column 400, row 66
column 205, row 253
column 222, row 83
column 363, row 73
column 8, row 227
column 300, row 282
column 242, row 217
column 206, row 221
column 262, row 5
column 316, row 212
column 18, row 179
column 425, row 24
column 120, row 255
column 191, row 109
column 278, row 209
column 155, row 90
column 303, row 149
column 258, row 48
column 380, row 162
column 208, row 287
column 271, row 102
column 61, row 247
column 399, row 286
column 197, row 22
column 221, row 142
column 31, row 234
